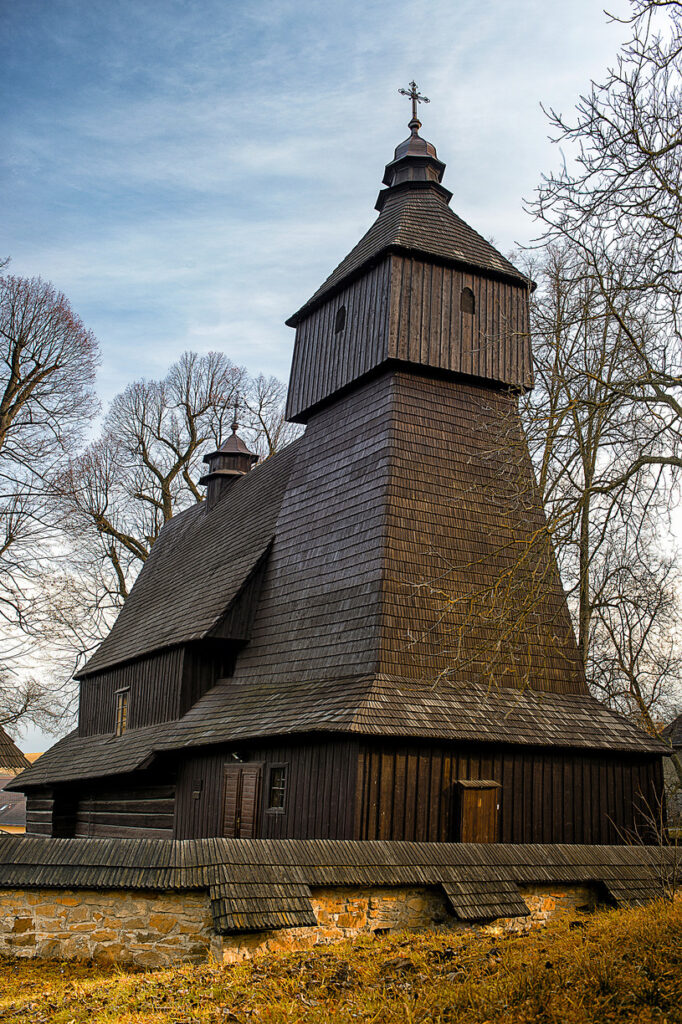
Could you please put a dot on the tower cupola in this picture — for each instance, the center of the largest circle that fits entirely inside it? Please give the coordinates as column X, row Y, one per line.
column 415, row 159
column 232, row 460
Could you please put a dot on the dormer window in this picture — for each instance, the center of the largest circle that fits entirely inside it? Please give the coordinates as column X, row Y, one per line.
column 467, row 302
column 121, row 720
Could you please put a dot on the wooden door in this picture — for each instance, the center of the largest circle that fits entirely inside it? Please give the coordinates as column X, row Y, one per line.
column 477, row 811
column 242, row 792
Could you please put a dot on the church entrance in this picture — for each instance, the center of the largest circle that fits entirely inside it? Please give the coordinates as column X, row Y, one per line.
column 242, row 794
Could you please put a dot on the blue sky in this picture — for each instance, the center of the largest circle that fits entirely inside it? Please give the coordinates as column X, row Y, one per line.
column 189, row 171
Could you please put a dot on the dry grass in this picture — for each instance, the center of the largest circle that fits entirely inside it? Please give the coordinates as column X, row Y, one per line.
column 615, row 966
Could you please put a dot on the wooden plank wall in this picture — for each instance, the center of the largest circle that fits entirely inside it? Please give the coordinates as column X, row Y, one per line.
column 428, row 327
column 204, row 664
column 129, row 807
column 409, row 310
column 154, row 683
column 407, row 792
column 40, row 806
column 325, row 361
column 319, row 797
column 163, row 686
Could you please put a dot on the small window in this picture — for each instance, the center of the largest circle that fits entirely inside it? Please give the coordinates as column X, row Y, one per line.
column 467, row 302
column 277, row 787
column 121, row 712
column 340, row 321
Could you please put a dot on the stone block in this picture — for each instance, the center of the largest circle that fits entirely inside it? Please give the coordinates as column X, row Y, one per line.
column 162, row 923
column 15, row 941
column 23, row 924
column 151, row 958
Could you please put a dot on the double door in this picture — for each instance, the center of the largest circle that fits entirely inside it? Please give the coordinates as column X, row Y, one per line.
column 242, row 799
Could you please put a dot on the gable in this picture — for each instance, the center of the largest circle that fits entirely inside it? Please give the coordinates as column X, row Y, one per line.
column 11, row 758
column 198, row 566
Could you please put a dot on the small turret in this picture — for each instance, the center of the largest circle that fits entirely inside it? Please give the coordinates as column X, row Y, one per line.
column 232, row 460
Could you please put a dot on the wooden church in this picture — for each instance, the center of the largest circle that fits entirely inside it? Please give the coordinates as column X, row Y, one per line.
column 311, row 652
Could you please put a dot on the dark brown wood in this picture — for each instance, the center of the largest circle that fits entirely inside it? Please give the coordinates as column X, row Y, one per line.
column 320, row 790
column 153, row 682
column 332, row 610
column 537, row 793
column 242, row 800
column 476, row 812
column 410, row 310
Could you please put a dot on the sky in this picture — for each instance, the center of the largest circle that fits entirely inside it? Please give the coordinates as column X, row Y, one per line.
column 188, row 172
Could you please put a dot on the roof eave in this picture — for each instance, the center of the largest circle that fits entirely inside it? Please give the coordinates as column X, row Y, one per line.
column 395, row 248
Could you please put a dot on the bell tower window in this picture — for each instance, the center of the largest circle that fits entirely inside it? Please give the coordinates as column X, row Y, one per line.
column 467, row 302
column 121, row 719
column 340, row 321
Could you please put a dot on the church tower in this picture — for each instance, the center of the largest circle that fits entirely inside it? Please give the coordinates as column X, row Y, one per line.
column 426, row 553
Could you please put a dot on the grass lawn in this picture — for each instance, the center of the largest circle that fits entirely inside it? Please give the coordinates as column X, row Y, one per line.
column 618, row 965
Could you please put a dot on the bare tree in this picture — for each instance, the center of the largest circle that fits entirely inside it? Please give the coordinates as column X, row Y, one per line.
column 114, row 497
column 47, row 400
column 263, row 403
column 618, row 201
column 605, row 524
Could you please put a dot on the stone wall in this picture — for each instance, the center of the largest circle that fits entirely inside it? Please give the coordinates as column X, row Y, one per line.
column 344, row 913
column 158, row 929
column 122, row 926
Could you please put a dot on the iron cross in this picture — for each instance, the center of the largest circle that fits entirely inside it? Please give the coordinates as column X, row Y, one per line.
column 416, row 98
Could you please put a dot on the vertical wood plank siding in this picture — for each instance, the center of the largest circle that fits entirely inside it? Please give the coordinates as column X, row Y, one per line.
column 163, row 686
column 408, row 792
column 203, row 664
column 154, row 683
column 319, row 799
column 428, row 327
column 409, row 310
column 325, row 361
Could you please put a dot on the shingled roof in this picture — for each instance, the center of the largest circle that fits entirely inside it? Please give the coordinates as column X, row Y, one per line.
column 11, row 758
column 418, row 221
column 263, row 884
column 198, row 566
column 365, row 706
column 672, row 734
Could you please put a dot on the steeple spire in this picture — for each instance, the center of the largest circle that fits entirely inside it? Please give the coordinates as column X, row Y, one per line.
column 415, row 160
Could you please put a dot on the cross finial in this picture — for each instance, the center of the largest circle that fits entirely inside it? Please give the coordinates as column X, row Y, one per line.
column 414, row 94
column 235, row 424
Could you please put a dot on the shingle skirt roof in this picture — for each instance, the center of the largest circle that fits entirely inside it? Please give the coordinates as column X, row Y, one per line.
column 264, row 884
column 364, row 706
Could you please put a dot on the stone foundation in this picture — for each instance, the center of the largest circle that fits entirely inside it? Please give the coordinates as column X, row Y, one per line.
column 152, row 929
column 115, row 926
column 345, row 913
